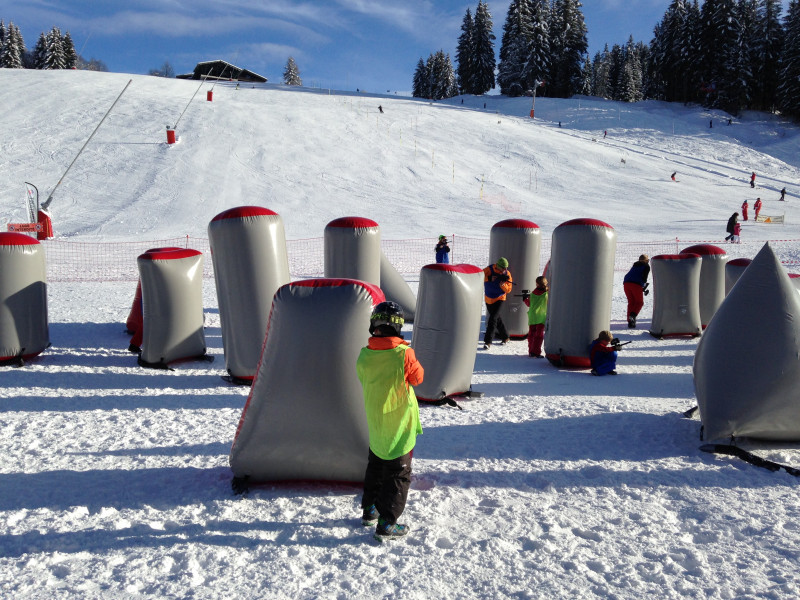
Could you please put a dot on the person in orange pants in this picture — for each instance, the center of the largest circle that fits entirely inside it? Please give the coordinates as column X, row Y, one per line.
column 757, row 207
column 744, row 210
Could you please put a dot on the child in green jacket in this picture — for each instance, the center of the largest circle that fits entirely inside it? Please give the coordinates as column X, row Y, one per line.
column 537, row 314
column 387, row 368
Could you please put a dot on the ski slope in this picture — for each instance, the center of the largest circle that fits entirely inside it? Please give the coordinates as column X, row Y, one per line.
column 114, row 480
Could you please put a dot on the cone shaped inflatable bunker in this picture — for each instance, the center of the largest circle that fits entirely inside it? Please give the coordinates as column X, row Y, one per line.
column 676, row 296
column 712, row 278
column 520, row 242
column 579, row 301
column 172, row 306
column 248, row 249
column 352, row 247
column 752, row 393
column 449, row 306
column 305, row 417
column 23, row 298
column 396, row 289
column 733, row 270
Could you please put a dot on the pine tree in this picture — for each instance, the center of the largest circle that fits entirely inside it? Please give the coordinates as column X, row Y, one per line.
column 483, row 61
column 789, row 85
column 630, row 87
column 465, row 53
column 769, row 44
column 291, row 74
column 420, row 87
column 13, row 48
column 70, row 55
column 40, row 53
column 537, row 64
column 587, row 77
column 602, row 67
column 54, row 57
column 569, row 45
column 514, row 49
column 2, row 34
column 720, row 54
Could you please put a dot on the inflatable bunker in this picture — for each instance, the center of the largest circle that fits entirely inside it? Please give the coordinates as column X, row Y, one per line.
column 352, row 247
column 304, row 418
column 712, row 278
column 733, row 270
column 676, row 299
column 248, row 250
column 172, row 303
column 23, row 299
column 579, row 302
column 449, row 305
column 519, row 241
column 752, row 393
column 134, row 324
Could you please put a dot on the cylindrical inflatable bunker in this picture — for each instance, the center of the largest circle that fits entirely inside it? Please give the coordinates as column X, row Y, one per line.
column 449, row 305
column 133, row 324
column 676, row 299
column 248, row 250
column 305, row 417
column 733, row 270
column 396, row 289
column 172, row 306
column 579, row 302
column 520, row 242
column 795, row 279
column 712, row 278
column 353, row 249
column 23, row 298
column 752, row 393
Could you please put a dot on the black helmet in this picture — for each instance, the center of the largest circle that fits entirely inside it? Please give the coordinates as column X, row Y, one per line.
column 387, row 319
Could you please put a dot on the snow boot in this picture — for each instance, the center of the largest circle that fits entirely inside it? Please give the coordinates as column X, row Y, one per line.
column 389, row 531
column 369, row 516
column 631, row 321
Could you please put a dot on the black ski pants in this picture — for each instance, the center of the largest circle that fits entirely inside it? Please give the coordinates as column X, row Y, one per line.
column 386, row 485
column 494, row 322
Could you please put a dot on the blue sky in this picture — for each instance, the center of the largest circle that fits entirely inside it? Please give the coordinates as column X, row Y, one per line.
column 372, row 45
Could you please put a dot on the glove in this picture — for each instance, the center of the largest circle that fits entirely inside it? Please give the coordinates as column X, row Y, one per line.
column 647, row 292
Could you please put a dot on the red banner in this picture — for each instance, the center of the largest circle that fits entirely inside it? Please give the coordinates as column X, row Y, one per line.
column 25, row 227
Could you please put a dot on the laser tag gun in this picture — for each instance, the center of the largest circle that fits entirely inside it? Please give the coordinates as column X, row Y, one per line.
column 644, row 287
column 524, row 295
column 617, row 345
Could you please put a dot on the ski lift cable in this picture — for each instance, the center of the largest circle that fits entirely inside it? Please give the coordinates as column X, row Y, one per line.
column 50, row 197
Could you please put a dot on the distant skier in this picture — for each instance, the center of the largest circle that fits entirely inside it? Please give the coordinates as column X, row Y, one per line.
column 673, row 176
column 711, row 124
column 744, row 210
column 757, row 207
column 380, row 108
column 730, row 121
column 783, row 194
column 730, row 227
column 605, row 133
column 752, row 180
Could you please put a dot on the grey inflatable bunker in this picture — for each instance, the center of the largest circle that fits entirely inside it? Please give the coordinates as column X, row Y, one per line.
column 352, row 247
column 519, row 241
column 248, row 249
column 795, row 278
column 733, row 270
column 712, row 278
column 676, row 295
column 305, row 417
column 172, row 306
column 752, row 391
column 23, row 298
column 579, row 302
column 449, row 306
column 396, row 289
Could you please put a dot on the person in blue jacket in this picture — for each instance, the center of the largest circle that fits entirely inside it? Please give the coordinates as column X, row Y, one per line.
column 603, row 355
column 442, row 250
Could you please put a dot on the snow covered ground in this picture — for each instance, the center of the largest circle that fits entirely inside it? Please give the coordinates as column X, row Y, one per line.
column 114, row 479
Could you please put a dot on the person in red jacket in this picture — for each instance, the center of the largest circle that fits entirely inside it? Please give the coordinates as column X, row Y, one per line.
column 744, row 210
column 757, row 207
column 753, row 179
column 496, row 284
column 387, row 368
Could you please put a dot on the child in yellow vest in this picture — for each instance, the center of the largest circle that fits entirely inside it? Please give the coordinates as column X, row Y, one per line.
column 537, row 314
column 387, row 368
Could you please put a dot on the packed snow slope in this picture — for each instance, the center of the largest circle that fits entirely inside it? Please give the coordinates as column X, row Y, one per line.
column 114, row 480
column 416, row 169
